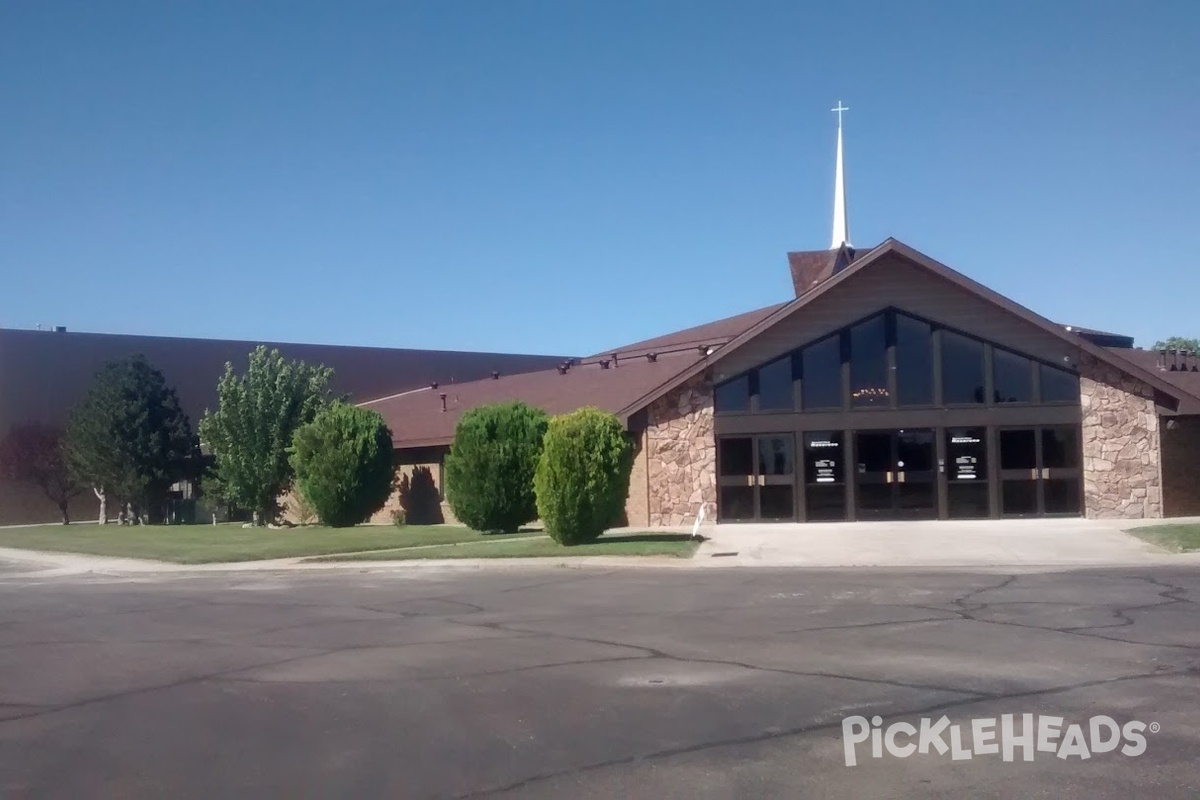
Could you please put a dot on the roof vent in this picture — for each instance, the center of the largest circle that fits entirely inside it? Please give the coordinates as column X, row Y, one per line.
column 433, row 385
column 562, row 369
column 614, row 360
column 652, row 357
column 60, row 328
column 442, row 397
column 604, row 363
column 495, row 375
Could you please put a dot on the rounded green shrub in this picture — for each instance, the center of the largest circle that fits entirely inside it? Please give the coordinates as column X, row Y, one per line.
column 583, row 475
column 343, row 463
column 489, row 470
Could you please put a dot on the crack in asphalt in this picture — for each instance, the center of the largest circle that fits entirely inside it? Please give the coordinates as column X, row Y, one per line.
column 968, row 606
column 800, row 730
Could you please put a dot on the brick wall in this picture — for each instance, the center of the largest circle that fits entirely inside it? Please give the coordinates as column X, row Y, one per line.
column 1181, row 466
column 1122, row 475
column 637, row 508
column 681, row 454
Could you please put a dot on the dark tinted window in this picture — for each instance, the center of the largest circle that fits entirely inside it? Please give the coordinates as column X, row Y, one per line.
column 732, row 396
column 822, row 382
column 775, row 386
column 914, row 362
column 736, row 456
column 1012, row 377
column 868, row 363
column 962, row 369
column 1059, row 386
column 1060, row 448
column 1018, row 450
column 775, row 455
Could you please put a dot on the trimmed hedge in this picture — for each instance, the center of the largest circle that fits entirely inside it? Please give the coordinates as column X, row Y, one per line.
column 583, row 475
column 343, row 463
column 490, row 466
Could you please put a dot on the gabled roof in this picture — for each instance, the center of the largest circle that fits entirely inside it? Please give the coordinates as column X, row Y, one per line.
column 894, row 247
column 417, row 419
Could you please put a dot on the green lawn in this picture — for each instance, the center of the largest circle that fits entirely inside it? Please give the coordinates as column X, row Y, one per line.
column 204, row 544
column 1176, row 538
column 678, row 545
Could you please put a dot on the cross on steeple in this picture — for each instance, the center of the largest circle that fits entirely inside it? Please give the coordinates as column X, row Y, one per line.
column 841, row 226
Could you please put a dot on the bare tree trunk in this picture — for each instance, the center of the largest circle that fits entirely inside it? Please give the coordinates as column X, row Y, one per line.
column 103, row 505
column 62, row 507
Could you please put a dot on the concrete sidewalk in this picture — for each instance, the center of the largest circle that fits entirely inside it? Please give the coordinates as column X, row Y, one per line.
column 935, row 543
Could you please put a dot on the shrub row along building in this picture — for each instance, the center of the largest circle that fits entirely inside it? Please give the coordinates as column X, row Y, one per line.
column 889, row 387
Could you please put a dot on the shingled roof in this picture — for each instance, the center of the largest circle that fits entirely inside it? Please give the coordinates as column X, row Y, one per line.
column 1185, row 376
column 417, row 420
column 711, row 333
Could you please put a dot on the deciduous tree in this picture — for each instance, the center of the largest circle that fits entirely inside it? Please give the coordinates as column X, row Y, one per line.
column 252, row 429
column 34, row 454
column 1178, row 343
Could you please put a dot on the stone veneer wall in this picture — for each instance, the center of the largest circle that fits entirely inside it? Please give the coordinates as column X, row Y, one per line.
column 1181, row 467
column 1122, row 475
column 681, row 454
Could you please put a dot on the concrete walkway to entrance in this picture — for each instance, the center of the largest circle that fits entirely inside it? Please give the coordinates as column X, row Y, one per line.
column 935, row 543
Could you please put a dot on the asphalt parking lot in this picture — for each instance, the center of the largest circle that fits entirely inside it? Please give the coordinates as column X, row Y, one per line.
column 554, row 683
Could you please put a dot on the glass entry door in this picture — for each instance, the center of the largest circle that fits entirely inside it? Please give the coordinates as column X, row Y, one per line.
column 1040, row 471
column 967, row 492
column 895, row 476
column 756, row 477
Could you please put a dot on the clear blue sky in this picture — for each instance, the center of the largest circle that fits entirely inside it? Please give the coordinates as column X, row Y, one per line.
column 564, row 176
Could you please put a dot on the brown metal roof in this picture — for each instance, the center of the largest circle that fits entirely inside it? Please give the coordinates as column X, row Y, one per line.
column 43, row 374
column 1185, row 377
column 417, row 420
column 716, row 333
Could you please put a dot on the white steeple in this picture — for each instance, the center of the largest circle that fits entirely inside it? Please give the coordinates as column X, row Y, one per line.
column 841, row 228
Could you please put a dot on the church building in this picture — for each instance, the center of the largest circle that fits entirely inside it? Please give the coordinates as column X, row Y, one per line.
column 889, row 387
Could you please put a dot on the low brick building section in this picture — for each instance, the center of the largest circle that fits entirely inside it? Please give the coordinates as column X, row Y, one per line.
column 1181, row 466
